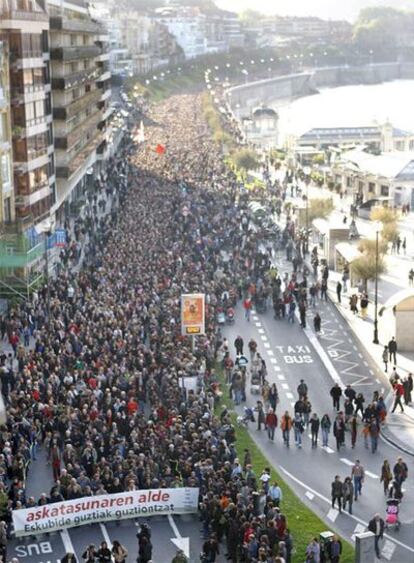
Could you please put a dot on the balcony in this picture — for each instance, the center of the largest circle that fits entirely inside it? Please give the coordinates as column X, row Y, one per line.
column 23, row 16
column 74, row 53
column 20, row 93
column 30, row 127
column 78, row 105
column 57, row 23
column 74, row 79
column 66, row 142
column 67, row 170
column 26, row 59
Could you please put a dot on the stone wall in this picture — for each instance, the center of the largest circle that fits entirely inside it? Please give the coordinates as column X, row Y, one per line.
column 291, row 86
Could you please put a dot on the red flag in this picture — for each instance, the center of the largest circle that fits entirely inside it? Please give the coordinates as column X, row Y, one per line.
column 160, row 149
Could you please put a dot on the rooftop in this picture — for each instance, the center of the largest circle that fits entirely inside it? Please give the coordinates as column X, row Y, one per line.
column 393, row 165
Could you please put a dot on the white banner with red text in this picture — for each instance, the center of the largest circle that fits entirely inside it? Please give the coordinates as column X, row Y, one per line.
column 104, row 508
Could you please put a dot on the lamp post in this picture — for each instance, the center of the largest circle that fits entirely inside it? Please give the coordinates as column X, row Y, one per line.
column 307, row 172
column 378, row 228
column 47, row 229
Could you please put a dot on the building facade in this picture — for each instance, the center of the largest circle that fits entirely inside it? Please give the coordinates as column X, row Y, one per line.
column 24, row 25
column 7, row 211
column 81, row 96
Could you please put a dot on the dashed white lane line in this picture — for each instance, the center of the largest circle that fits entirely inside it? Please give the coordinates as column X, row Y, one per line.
column 351, row 463
column 377, row 380
column 388, row 550
column 359, row 528
column 289, row 395
column 255, row 317
column 332, row 514
column 266, row 344
column 270, row 352
column 276, row 368
column 273, row 361
column 347, row 461
column 365, row 363
column 329, row 450
column 258, row 323
column 310, row 495
column 292, row 404
column 359, row 354
column 260, row 330
column 285, row 386
column 352, row 516
column 263, row 337
column 281, row 377
column 350, row 341
column 371, row 372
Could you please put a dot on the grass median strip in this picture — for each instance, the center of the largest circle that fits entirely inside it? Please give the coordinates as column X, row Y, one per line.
column 302, row 522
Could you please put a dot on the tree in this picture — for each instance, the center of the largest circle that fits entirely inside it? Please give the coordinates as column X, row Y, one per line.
column 319, row 208
column 246, row 159
column 365, row 267
column 388, row 218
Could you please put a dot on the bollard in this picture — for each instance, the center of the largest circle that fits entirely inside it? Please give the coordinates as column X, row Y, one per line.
column 365, row 548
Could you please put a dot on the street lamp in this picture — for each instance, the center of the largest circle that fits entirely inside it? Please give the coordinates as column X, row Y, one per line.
column 307, row 171
column 47, row 228
column 378, row 229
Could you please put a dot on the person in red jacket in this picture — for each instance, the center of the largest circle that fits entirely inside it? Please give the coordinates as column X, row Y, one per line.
column 271, row 424
column 398, row 395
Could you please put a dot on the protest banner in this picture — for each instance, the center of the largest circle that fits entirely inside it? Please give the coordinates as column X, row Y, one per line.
column 193, row 314
column 104, row 508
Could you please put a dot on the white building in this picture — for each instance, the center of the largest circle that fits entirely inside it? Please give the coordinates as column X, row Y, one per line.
column 188, row 26
column 385, row 177
column 261, row 128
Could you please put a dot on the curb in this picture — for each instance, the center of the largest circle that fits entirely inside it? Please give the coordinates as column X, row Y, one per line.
column 397, row 445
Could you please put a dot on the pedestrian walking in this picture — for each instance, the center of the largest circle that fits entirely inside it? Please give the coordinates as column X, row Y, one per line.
column 336, row 393
column 411, row 277
column 314, row 427
column 354, row 430
column 348, row 494
column 393, row 348
column 69, row 557
column 339, row 431
column 376, row 526
column 385, row 354
column 374, row 431
column 339, row 291
column 358, row 476
column 324, row 289
column 408, row 388
column 337, row 488
column 398, row 395
column 400, row 471
column 271, row 424
column 239, row 344
column 386, row 475
column 286, row 426
column 334, row 550
column 317, row 321
column 325, row 429
column 298, row 427
column 252, row 348
column 261, row 418
column 119, row 552
column 302, row 389
column 247, row 304
column 359, row 404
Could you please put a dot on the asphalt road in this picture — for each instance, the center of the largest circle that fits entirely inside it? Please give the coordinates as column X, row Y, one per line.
column 291, row 354
column 50, row 548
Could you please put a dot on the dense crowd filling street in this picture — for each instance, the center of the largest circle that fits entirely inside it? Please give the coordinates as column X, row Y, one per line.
column 99, row 384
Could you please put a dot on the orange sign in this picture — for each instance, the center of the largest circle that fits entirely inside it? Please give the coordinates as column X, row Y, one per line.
column 192, row 314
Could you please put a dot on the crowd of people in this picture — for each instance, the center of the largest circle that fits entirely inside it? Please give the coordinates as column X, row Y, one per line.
column 97, row 383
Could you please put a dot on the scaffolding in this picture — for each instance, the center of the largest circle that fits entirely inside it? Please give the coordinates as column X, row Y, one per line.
column 21, row 265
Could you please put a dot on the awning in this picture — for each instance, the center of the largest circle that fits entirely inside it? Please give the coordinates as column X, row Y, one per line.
column 396, row 299
column 348, row 251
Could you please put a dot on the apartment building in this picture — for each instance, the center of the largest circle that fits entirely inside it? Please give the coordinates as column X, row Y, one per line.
column 81, row 95
column 7, row 213
column 24, row 24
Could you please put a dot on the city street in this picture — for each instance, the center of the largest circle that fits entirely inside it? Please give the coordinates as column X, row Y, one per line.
column 291, row 354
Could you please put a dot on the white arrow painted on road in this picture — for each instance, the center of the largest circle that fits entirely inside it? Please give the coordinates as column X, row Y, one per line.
column 179, row 541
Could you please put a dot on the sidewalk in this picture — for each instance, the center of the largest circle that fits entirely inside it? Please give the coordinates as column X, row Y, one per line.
column 399, row 429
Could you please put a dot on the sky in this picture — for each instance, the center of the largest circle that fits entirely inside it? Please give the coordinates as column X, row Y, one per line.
column 327, row 9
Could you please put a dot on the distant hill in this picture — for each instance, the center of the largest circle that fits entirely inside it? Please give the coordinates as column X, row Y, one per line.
column 327, row 9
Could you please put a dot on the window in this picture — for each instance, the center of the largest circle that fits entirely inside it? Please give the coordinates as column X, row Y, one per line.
column 3, row 128
column 385, row 191
column 411, row 145
column 5, row 170
column 7, row 210
column 371, row 187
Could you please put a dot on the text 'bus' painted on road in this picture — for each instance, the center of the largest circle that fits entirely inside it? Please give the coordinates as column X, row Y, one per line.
column 28, row 550
column 299, row 354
